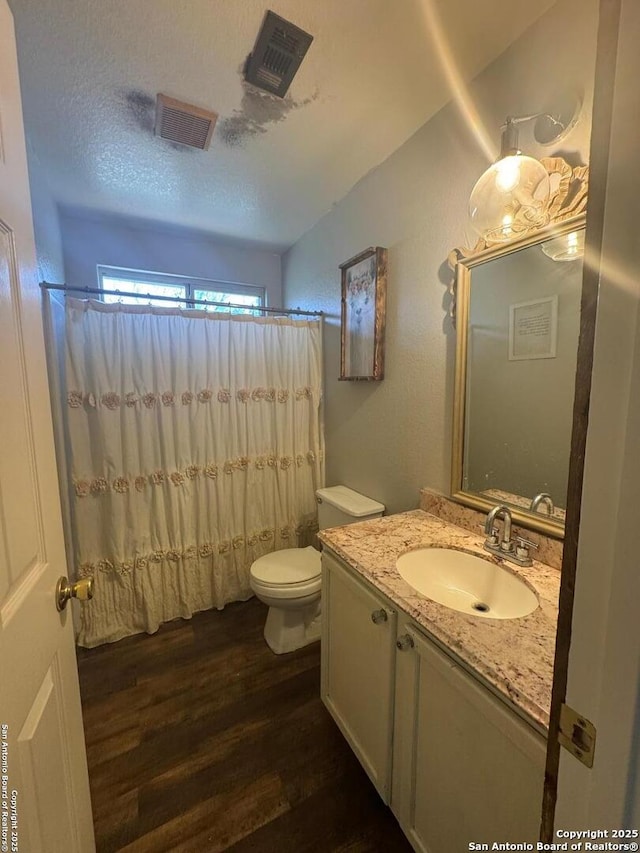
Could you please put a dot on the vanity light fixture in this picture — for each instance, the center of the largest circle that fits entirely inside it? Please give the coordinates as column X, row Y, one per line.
column 568, row 247
column 513, row 194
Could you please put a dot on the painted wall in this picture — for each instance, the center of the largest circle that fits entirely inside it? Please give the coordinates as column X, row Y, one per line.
column 89, row 240
column 388, row 439
column 46, row 223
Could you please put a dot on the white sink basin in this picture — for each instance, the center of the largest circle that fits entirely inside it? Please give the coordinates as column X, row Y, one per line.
column 467, row 583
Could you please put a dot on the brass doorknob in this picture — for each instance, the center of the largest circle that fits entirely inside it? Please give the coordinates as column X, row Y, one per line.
column 65, row 591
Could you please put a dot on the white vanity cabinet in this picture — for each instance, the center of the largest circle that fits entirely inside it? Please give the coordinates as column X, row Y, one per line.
column 358, row 663
column 466, row 767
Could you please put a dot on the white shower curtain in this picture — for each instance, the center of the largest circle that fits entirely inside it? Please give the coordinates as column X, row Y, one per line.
column 196, row 446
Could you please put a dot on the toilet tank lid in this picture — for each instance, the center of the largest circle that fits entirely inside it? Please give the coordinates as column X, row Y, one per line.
column 349, row 501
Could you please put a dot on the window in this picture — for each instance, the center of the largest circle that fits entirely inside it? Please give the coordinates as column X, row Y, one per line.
column 178, row 287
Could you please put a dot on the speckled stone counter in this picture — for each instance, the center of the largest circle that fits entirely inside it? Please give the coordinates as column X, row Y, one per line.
column 515, row 656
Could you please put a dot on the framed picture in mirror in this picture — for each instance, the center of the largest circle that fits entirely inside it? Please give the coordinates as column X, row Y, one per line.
column 364, row 293
column 533, row 329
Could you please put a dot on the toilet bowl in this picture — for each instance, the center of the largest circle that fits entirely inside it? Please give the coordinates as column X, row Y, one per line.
column 289, row 581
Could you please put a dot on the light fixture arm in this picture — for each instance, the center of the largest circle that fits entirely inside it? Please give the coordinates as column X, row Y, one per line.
column 509, row 139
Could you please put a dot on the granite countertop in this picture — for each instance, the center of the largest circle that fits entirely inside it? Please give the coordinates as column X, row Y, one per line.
column 515, row 656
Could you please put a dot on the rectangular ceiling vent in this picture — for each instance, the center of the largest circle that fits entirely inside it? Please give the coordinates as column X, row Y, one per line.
column 184, row 123
column 277, row 54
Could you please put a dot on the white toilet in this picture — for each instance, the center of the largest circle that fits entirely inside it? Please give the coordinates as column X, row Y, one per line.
column 289, row 581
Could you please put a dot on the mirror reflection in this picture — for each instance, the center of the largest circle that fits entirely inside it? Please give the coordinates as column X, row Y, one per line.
column 523, row 317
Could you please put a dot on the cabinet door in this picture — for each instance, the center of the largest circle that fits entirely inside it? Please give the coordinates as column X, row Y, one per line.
column 358, row 636
column 467, row 768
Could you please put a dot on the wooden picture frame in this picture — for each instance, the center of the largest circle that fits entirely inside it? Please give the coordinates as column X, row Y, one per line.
column 364, row 295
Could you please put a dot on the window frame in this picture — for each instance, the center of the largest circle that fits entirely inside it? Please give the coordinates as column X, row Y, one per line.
column 189, row 283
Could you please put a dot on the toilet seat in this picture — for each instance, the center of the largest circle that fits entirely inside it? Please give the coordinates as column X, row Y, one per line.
column 290, row 573
column 279, row 592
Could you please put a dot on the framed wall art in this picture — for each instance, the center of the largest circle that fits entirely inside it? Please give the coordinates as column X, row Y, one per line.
column 364, row 293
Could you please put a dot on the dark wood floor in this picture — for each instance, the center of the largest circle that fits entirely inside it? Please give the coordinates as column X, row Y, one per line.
column 200, row 739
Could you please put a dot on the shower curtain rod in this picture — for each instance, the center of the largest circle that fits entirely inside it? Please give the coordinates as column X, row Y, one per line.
column 67, row 288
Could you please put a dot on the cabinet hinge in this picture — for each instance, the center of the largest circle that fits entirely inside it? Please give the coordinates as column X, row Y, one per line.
column 577, row 734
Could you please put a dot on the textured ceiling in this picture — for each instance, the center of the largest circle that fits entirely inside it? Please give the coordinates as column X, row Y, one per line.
column 90, row 71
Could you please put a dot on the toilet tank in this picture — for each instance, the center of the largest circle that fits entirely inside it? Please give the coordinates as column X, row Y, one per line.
column 338, row 505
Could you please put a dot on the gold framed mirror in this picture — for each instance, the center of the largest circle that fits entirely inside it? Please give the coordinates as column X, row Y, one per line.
column 517, row 316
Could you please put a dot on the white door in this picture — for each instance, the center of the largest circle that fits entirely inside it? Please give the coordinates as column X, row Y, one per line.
column 44, row 789
column 604, row 661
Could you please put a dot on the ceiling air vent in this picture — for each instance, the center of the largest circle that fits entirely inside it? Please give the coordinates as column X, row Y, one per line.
column 184, row 123
column 277, row 54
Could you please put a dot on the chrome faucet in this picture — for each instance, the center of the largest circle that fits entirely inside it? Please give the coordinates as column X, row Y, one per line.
column 500, row 511
column 542, row 499
column 505, row 547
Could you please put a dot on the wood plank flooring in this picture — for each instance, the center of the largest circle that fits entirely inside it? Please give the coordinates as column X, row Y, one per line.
column 200, row 739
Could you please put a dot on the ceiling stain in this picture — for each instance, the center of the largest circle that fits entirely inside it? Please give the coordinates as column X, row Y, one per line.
column 142, row 109
column 257, row 111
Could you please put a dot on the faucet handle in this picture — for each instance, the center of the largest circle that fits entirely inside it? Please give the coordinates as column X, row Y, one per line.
column 522, row 548
column 492, row 538
column 527, row 543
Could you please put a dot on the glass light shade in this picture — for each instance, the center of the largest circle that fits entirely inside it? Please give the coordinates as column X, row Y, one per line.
column 568, row 247
column 513, row 192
